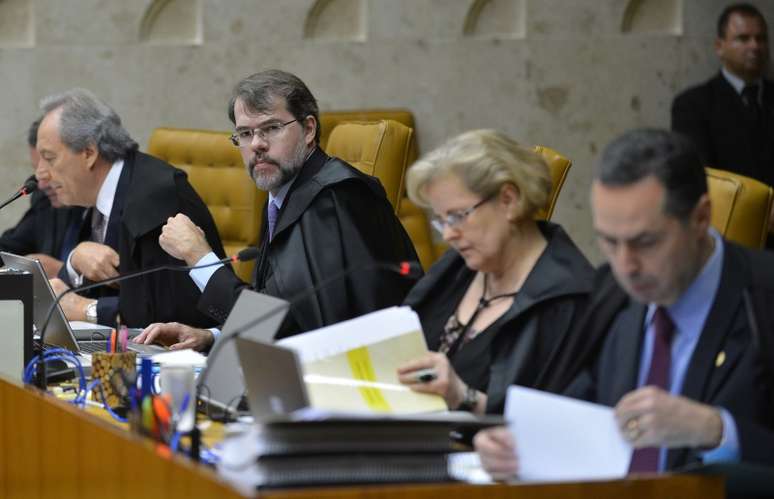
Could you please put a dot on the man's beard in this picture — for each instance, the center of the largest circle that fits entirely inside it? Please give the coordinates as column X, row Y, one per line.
column 286, row 170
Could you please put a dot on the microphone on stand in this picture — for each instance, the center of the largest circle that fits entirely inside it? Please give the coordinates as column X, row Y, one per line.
column 404, row 269
column 30, row 186
column 249, row 253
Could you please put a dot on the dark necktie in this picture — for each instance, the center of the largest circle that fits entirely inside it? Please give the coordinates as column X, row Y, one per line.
column 750, row 99
column 272, row 218
column 646, row 459
column 98, row 223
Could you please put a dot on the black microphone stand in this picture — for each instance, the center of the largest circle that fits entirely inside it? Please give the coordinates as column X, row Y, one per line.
column 30, row 186
column 244, row 255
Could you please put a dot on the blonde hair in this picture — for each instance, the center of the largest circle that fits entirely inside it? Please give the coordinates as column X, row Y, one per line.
column 484, row 160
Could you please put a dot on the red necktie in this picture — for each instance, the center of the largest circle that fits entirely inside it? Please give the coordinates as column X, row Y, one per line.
column 646, row 459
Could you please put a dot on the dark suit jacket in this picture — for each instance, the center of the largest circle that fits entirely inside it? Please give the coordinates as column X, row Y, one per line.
column 713, row 116
column 334, row 218
column 149, row 191
column 743, row 384
column 522, row 346
column 42, row 229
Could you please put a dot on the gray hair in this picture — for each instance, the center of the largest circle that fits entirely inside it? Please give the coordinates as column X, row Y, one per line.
column 86, row 120
column 484, row 160
column 667, row 156
column 259, row 91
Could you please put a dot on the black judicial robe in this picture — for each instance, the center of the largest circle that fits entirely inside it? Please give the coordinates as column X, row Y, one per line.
column 334, row 218
column 523, row 345
column 150, row 191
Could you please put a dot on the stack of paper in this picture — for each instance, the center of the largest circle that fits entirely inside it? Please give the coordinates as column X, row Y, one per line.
column 352, row 365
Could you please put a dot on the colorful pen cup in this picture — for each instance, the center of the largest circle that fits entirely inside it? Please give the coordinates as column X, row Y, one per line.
column 113, row 370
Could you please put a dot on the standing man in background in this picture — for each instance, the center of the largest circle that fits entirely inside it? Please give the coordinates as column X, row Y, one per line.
column 730, row 118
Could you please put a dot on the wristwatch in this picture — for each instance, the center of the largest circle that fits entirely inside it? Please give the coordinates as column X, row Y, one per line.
column 91, row 312
column 470, row 401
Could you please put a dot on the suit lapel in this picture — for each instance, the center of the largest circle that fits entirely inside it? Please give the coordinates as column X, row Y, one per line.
column 702, row 373
column 721, row 344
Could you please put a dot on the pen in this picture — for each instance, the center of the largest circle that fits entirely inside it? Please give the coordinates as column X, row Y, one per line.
column 425, row 375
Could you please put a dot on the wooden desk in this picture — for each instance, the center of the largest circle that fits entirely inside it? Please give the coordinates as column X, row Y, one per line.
column 677, row 486
column 48, row 448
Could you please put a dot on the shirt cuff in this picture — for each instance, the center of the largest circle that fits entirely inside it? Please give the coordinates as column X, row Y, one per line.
column 728, row 450
column 76, row 279
column 215, row 332
column 202, row 276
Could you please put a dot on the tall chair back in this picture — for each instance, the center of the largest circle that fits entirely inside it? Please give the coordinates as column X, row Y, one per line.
column 559, row 166
column 740, row 207
column 216, row 171
column 379, row 148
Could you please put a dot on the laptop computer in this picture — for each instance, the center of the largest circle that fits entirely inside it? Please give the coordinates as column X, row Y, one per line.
column 221, row 384
column 279, row 394
column 59, row 332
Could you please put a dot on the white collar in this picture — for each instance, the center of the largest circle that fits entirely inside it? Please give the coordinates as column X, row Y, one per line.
column 739, row 83
column 107, row 191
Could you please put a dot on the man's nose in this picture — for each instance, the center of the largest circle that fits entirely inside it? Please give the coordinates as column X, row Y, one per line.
column 258, row 143
column 628, row 260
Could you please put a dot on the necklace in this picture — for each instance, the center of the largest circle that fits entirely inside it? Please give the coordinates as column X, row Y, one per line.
column 483, row 302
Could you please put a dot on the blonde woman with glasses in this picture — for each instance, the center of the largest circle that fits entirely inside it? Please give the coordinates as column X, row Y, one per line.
column 498, row 306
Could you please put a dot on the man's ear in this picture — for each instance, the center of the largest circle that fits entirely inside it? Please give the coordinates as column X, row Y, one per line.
column 310, row 129
column 702, row 213
column 90, row 155
column 719, row 47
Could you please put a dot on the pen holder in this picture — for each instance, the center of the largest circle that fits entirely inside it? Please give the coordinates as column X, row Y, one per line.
column 112, row 370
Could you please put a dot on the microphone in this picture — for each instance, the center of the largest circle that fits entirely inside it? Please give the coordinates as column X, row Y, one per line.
column 30, row 186
column 405, row 269
column 249, row 253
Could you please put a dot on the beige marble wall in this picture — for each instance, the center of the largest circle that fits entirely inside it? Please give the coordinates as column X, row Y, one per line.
column 570, row 74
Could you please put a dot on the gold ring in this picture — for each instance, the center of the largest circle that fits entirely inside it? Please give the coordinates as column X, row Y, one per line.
column 633, row 429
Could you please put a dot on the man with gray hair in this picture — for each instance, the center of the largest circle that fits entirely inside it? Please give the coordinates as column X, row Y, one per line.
column 323, row 217
column 92, row 161
column 679, row 322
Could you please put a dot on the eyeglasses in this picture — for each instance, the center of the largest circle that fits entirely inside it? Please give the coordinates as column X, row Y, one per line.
column 267, row 133
column 455, row 218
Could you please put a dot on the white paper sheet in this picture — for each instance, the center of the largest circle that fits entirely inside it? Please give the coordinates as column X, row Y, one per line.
column 364, row 330
column 559, row 438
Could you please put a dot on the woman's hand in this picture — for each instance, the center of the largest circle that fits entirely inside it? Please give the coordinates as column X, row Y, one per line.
column 446, row 383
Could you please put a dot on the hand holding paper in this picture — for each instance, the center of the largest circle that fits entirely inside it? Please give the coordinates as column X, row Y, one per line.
column 558, row 438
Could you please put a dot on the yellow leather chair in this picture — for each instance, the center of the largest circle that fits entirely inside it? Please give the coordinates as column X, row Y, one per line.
column 411, row 216
column 558, row 165
column 330, row 119
column 377, row 148
column 740, row 207
column 216, row 171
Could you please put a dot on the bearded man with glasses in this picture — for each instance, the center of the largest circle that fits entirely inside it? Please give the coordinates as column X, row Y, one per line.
column 322, row 216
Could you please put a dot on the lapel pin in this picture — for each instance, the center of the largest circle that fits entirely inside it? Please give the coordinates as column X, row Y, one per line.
column 720, row 359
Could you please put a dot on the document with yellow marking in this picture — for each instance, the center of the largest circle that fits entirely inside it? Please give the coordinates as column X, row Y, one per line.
column 352, row 365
